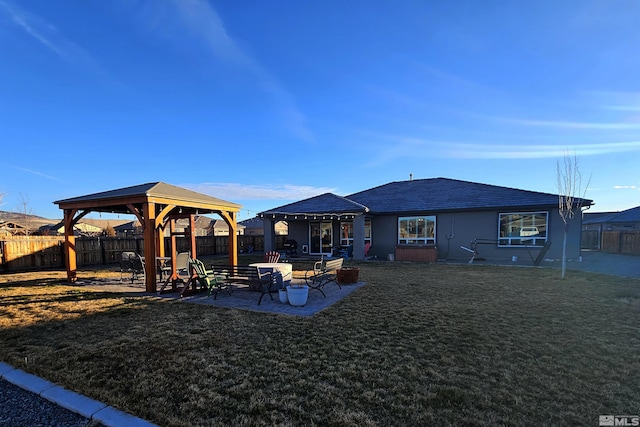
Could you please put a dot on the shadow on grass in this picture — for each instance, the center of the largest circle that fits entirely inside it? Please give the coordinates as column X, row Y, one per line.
column 419, row 345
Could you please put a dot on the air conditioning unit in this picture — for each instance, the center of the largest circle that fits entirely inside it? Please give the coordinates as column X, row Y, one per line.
column 305, row 249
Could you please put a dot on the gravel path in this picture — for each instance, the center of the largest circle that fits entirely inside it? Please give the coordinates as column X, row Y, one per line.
column 21, row 408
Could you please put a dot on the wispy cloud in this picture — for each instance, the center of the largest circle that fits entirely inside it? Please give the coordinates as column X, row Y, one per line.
column 529, row 151
column 556, row 124
column 34, row 172
column 236, row 191
column 617, row 101
column 47, row 34
column 201, row 19
column 391, row 148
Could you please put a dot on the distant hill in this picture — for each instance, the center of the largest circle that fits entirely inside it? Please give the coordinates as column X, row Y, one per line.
column 34, row 220
column 37, row 221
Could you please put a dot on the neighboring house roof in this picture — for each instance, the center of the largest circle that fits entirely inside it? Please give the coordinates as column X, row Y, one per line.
column 220, row 224
column 10, row 227
column 80, row 227
column 255, row 226
column 254, row 222
column 588, row 216
column 104, row 223
column 423, row 195
column 200, row 221
column 629, row 216
column 131, row 225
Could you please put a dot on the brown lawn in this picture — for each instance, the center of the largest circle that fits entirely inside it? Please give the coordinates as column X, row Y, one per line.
column 419, row 345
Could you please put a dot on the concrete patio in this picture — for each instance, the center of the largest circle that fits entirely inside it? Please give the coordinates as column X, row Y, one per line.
column 243, row 299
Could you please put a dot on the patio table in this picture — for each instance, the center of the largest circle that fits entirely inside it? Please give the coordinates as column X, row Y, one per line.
column 285, row 268
column 161, row 263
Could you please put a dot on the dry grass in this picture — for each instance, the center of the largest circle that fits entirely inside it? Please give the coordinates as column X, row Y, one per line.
column 420, row 344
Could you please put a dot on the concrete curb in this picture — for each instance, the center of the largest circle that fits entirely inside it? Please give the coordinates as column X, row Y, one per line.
column 89, row 408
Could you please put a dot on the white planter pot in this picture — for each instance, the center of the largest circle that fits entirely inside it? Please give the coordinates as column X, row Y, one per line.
column 283, row 296
column 298, row 296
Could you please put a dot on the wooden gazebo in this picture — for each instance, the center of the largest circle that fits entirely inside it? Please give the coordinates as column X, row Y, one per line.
column 156, row 205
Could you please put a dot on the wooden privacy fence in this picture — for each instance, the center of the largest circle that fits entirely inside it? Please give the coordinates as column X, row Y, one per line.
column 621, row 242
column 22, row 253
column 591, row 239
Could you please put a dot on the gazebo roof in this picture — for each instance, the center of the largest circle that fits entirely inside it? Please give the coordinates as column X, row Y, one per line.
column 116, row 201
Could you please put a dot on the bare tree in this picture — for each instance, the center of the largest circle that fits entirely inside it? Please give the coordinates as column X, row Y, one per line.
column 25, row 212
column 570, row 197
column 109, row 231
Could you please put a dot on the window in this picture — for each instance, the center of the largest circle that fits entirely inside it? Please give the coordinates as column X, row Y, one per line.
column 346, row 232
column 417, row 230
column 523, row 229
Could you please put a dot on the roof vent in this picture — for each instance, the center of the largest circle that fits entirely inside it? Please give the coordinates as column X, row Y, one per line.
column 410, row 177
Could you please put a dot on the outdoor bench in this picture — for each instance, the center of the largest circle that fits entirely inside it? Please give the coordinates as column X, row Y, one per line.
column 325, row 271
column 229, row 275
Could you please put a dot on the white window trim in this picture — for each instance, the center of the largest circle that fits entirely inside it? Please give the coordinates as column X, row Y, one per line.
column 349, row 240
column 534, row 241
column 417, row 240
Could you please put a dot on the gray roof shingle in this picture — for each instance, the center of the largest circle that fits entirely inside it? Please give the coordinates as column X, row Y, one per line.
column 630, row 216
column 327, row 203
column 424, row 195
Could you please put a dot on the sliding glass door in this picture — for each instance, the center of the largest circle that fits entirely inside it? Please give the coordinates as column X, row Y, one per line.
column 321, row 237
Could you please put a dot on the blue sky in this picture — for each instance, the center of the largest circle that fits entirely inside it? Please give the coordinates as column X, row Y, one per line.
column 267, row 102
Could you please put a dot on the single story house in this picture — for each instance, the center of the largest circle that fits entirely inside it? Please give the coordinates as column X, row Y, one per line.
column 131, row 228
column 595, row 226
column 255, row 227
column 79, row 229
column 429, row 219
column 218, row 227
column 11, row 228
column 203, row 226
column 624, row 220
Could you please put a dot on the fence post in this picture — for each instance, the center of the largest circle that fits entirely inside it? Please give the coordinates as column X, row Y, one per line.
column 2, row 257
column 103, row 256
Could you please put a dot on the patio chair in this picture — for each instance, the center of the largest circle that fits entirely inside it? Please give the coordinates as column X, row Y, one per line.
column 206, row 278
column 183, row 272
column 132, row 264
column 345, row 252
column 182, row 265
column 272, row 256
column 367, row 246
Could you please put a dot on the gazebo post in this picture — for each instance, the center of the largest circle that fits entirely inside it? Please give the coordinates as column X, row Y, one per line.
column 149, row 214
column 231, row 219
column 159, row 241
column 192, row 236
column 70, row 245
